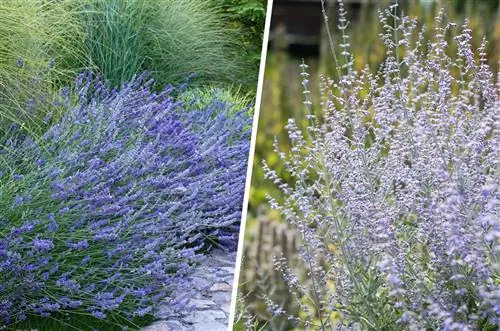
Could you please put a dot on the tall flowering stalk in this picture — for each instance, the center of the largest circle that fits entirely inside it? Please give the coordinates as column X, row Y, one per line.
column 396, row 188
column 107, row 212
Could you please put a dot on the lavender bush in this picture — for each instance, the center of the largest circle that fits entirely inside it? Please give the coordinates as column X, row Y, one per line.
column 396, row 188
column 107, row 212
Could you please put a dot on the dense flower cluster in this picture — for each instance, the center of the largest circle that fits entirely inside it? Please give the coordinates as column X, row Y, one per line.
column 109, row 209
column 396, row 189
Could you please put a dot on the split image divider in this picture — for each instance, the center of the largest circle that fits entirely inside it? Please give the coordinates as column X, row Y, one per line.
column 255, row 125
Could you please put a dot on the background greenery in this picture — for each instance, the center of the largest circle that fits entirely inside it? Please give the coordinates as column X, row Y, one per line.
column 282, row 98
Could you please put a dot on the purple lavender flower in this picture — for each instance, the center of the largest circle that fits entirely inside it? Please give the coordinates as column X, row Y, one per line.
column 43, row 245
column 17, row 177
column 130, row 187
column 18, row 201
column 98, row 314
column 81, row 245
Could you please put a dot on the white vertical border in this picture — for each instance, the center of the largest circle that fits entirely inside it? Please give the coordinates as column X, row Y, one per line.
column 255, row 125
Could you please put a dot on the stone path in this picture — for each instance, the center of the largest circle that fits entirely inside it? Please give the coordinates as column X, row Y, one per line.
column 210, row 301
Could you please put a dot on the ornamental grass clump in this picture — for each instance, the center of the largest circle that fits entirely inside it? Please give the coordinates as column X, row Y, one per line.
column 106, row 213
column 120, row 39
column 396, row 188
column 169, row 38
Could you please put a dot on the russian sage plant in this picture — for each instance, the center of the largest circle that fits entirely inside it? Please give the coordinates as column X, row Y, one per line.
column 396, row 188
column 107, row 212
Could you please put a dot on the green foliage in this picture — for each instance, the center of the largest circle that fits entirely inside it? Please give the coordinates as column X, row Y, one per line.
column 32, row 34
column 248, row 17
column 38, row 31
column 120, row 39
column 64, row 322
column 199, row 97
column 172, row 39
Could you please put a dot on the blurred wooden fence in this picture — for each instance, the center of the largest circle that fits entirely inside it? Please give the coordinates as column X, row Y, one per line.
column 297, row 25
column 273, row 239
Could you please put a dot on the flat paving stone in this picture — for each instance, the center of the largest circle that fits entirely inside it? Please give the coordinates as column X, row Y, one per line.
column 200, row 283
column 226, row 306
column 201, row 303
column 211, row 326
column 220, row 297
column 206, row 316
column 217, row 287
column 166, row 326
